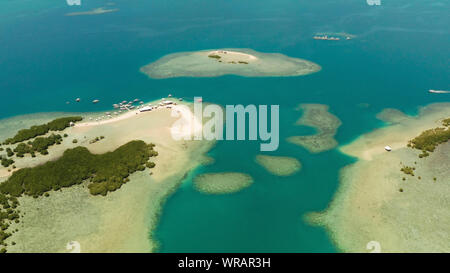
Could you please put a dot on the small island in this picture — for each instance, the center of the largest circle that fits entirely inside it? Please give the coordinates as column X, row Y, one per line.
column 279, row 165
column 222, row 183
column 214, row 63
column 326, row 124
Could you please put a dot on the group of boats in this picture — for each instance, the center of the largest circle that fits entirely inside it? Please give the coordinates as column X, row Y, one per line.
column 164, row 103
column 329, row 38
column 125, row 106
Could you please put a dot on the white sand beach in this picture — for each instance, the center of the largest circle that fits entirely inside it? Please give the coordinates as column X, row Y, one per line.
column 229, row 55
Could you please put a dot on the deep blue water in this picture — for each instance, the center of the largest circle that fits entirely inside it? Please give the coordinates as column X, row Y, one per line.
column 402, row 50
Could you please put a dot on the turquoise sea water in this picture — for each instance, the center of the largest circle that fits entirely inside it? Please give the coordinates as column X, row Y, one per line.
column 401, row 51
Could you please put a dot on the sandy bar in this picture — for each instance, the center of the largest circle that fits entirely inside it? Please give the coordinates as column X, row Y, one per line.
column 377, row 202
column 214, row 63
column 222, row 183
column 279, row 165
column 123, row 220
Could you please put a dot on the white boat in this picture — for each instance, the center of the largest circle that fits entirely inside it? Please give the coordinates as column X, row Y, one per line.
column 95, row 101
column 388, row 148
column 438, row 91
column 146, row 109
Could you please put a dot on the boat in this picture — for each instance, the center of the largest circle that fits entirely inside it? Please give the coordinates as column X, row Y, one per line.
column 388, row 148
column 95, row 101
column 78, row 100
column 439, row 91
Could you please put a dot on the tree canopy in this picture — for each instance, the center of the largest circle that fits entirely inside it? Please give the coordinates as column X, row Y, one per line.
column 103, row 172
column 106, row 172
column 39, row 130
column 428, row 140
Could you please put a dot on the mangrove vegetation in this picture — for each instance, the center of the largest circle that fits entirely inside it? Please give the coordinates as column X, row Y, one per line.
column 39, row 130
column 38, row 145
column 103, row 173
column 428, row 140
